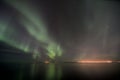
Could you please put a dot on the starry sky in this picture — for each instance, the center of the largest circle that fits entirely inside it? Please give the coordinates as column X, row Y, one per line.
column 65, row 29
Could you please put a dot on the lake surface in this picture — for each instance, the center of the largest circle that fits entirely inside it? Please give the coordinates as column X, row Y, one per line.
column 60, row 71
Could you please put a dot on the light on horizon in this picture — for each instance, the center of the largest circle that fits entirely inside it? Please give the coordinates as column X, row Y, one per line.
column 95, row 61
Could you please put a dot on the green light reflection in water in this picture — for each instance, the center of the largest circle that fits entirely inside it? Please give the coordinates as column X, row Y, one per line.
column 54, row 72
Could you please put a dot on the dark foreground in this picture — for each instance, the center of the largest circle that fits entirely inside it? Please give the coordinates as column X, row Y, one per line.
column 61, row 71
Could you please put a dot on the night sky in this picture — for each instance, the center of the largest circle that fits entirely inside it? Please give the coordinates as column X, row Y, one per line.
column 65, row 29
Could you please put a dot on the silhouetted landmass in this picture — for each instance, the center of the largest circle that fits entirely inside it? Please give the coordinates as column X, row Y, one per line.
column 12, row 54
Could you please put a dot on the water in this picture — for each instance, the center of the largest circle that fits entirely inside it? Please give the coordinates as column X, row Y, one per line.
column 59, row 71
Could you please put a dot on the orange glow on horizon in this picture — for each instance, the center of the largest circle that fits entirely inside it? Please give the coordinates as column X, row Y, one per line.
column 46, row 62
column 95, row 61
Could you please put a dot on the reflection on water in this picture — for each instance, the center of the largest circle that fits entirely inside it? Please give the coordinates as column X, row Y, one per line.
column 50, row 74
column 53, row 72
column 63, row 71
column 97, row 69
column 20, row 76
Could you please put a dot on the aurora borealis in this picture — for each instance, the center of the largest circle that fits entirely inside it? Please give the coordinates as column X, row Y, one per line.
column 27, row 31
column 60, row 39
column 65, row 30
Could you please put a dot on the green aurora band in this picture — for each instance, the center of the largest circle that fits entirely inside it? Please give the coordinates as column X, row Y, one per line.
column 36, row 28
